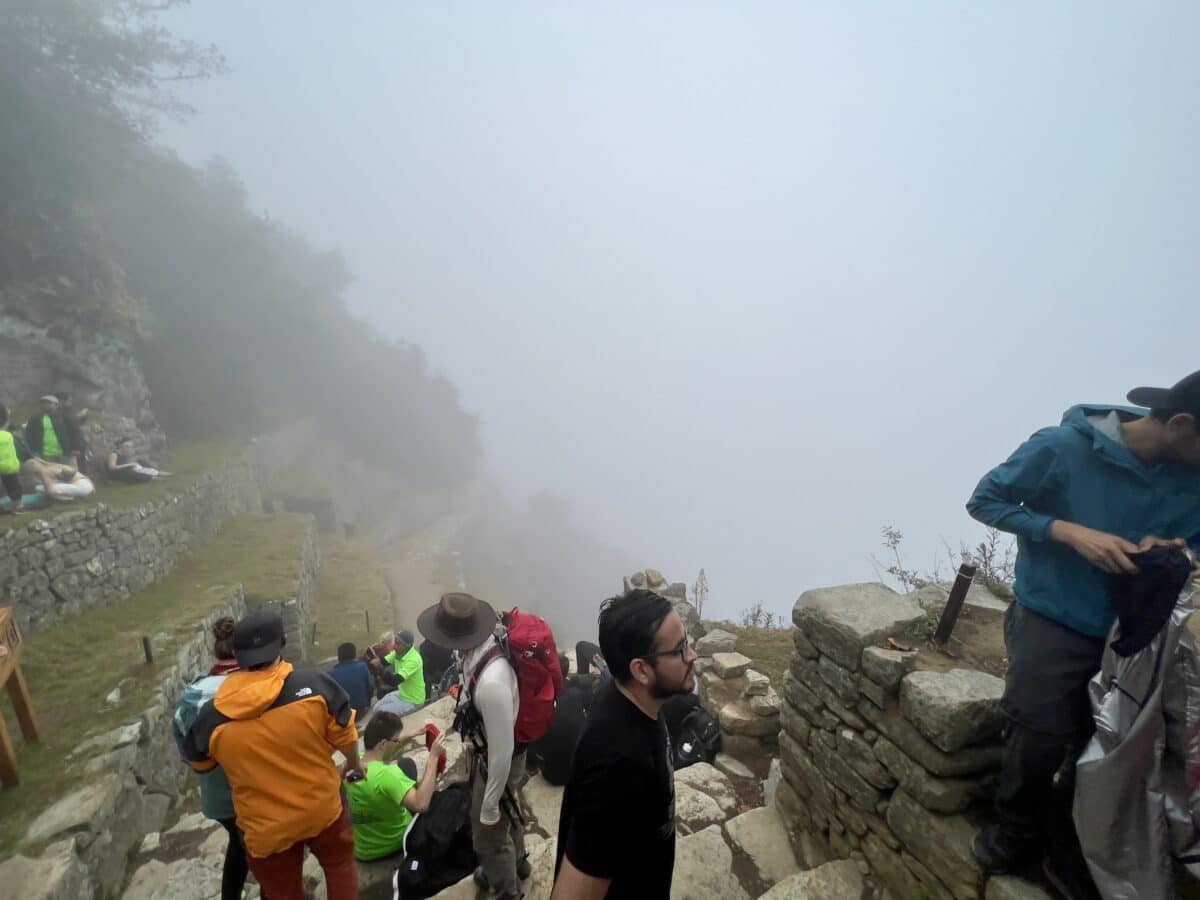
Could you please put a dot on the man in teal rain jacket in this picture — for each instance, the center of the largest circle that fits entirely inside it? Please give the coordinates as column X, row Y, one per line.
column 1081, row 498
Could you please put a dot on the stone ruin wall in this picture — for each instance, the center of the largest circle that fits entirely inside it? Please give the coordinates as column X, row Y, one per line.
column 58, row 567
column 882, row 762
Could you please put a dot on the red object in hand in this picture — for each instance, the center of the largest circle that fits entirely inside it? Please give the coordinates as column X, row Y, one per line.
column 431, row 735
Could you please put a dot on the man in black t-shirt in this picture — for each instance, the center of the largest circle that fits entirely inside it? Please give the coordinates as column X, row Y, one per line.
column 616, row 833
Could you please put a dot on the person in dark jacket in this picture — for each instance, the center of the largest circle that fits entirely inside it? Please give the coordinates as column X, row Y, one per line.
column 47, row 434
column 1081, row 497
column 354, row 677
column 72, row 421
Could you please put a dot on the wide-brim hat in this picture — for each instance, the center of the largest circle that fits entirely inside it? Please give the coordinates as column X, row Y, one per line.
column 457, row 621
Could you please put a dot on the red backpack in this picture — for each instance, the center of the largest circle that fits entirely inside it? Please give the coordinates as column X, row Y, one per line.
column 529, row 646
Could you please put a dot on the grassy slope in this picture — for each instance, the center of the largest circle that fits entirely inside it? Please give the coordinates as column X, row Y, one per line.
column 349, row 583
column 74, row 665
column 770, row 648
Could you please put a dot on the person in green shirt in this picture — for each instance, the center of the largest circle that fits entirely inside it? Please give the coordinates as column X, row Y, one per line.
column 409, row 667
column 385, row 800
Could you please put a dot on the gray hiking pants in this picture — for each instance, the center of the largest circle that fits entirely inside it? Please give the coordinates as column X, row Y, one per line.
column 500, row 846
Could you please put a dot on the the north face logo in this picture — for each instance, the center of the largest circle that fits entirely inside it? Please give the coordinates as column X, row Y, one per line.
column 304, row 692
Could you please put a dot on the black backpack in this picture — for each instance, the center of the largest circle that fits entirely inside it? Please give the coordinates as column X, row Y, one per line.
column 438, row 851
column 699, row 739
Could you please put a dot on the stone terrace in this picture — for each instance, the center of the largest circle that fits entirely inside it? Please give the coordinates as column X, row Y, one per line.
column 885, row 759
column 107, row 769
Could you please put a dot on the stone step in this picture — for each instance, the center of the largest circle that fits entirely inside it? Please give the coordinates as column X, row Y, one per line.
column 760, row 835
column 840, row 880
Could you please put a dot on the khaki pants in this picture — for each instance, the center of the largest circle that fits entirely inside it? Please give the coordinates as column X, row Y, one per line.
column 500, row 846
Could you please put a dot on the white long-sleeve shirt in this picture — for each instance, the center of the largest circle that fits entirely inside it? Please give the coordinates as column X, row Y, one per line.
column 497, row 700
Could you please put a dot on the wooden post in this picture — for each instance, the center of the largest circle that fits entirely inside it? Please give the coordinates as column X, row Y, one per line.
column 313, row 639
column 147, row 650
column 958, row 593
column 14, row 680
column 367, row 615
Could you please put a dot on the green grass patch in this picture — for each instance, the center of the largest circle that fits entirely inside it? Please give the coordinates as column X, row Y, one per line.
column 770, row 648
column 188, row 463
column 350, row 585
column 72, row 666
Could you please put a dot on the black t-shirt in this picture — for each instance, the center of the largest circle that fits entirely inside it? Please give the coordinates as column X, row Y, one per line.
column 618, row 809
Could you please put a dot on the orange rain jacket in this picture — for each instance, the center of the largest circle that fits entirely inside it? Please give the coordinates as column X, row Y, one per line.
column 273, row 732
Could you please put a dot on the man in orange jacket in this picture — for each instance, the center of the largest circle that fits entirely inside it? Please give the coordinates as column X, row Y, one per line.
column 273, row 731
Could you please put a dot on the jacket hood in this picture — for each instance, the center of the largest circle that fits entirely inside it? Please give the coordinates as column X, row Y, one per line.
column 247, row 695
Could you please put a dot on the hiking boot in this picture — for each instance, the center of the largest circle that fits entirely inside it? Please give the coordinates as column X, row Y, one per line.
column 524, row 868
column 998, row 852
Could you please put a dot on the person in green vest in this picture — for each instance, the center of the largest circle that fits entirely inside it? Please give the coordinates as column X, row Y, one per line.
column 384, row 801
column 10, row 464
column 46, row 433
column 407, row 673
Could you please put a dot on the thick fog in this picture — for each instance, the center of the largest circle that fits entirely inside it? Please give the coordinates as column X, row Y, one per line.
column 742, row 282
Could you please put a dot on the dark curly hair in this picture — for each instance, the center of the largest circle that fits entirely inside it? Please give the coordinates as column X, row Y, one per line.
column 223, row 638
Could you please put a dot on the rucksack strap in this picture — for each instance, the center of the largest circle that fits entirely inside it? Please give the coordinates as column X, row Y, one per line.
column 495, row 651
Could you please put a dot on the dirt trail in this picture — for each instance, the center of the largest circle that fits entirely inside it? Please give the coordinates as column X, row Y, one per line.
column 420, row 568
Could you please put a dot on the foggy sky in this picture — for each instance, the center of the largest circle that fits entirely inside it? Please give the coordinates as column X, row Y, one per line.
column 743, row 281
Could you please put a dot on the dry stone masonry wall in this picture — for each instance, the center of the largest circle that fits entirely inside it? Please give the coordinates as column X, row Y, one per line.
column 883, row 762
column 741, row 698
column 78, row 847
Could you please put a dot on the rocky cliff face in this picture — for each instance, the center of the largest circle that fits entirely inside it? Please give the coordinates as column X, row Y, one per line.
column 57, row 335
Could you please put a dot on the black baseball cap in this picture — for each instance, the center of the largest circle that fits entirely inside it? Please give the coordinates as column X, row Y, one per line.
column 258, row 638
column 1183, row 397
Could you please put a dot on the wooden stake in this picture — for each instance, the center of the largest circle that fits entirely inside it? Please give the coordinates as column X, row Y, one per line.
column 958, row 593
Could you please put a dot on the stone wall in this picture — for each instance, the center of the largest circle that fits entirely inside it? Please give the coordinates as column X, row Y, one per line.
column 740, row 697
column 58, row 567
column 78, row 848
column 882, row 761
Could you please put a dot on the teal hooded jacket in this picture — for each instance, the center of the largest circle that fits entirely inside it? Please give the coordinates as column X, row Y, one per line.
column 1078, row 474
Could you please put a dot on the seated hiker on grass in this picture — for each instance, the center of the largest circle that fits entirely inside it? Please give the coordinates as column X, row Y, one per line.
column 122, row 465
column 383, row 802
column 407, row 674
column 59, row 481
column 11, row 449
column 355, row 678
column 46, row 433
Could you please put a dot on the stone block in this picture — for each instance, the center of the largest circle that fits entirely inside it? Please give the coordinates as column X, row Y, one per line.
column 808, row 673
column 761, row 836
column 887, row 667
column 730, row 665
column 841, row 681
column 801, row 697
column 58, row 874
column 859, row 755
column 792, row 722
column 711, row 781
column 934, row 889
column 861, row 792
column 941, row 843
column 1009, row 887
column 804, row 647
column 716, row 641
column 944, row 795
column 695, row 810
column 833, row 880
column 732, row 767
column 716, row 691
column 765, row 705
column 842, row 621
column 967, row 761
column 953, row 709
column 739, row 718
column 884, row 698
column 757, row 683
column 704, row 868
column 889, row 870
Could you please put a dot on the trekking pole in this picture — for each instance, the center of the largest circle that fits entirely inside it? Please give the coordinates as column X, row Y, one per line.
column 958, row 593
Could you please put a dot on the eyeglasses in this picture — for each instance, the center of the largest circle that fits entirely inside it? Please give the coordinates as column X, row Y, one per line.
column 681, row 650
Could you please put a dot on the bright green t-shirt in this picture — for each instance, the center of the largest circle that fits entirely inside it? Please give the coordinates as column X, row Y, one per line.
column 50, row 444
column 412, row 670
column 377, row 810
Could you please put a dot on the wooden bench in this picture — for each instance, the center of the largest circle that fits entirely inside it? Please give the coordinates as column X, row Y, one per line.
column 10, row 676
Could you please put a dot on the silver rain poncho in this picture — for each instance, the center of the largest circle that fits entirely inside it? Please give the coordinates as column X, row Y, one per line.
column 1137, row 784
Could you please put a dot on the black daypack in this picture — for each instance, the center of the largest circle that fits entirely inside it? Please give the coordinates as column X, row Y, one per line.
column 699, row 739
column 438, row 851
